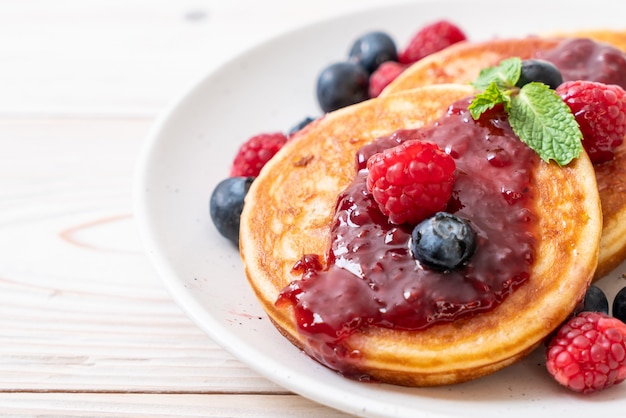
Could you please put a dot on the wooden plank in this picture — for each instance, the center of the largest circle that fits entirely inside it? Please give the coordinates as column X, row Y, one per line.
column 81, row 308
column 48, row 405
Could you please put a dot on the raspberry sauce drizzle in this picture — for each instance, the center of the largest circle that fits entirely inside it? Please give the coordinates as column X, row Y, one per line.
column 586, row 59
column 371, row 278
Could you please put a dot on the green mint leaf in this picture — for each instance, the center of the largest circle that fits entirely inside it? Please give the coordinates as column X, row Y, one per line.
column 491, row 96
column 545, row 123
column 505, row 75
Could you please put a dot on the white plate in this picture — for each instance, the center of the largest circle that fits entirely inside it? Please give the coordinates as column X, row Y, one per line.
column 272, row 87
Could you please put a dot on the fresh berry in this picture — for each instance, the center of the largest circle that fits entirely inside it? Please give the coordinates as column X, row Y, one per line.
column 385, row 74
column 255, row 152
column 596, row 300
column 304, row 122
column 342, row 84
column 443, row 242
column 430, row 39
column 541, row 71
column 600, row 110
column 411, row 181
column 226, row 204
column 588, row 353
column 619, row 305
column 372, row 49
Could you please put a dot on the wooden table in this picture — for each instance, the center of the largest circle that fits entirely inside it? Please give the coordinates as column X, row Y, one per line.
column 86, row 326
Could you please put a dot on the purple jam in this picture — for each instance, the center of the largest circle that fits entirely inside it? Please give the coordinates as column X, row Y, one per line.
column 585, row 59
column 371, row 278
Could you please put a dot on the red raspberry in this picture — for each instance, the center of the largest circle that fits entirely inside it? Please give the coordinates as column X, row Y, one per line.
column 384, row 74
column 600, row 110
column 411, row 181
column 255, row 152
column 430, row 39
column 588, row 353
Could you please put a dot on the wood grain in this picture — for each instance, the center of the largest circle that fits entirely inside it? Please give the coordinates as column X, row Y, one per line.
column 44, row 405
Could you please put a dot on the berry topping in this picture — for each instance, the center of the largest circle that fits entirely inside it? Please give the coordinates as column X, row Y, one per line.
column 541, row 71
column 585, row 59
column 255, row 152
column 600, row 110
column 595, row 300
column 411, row 181
column 385, row 74
column 619, row 305
column 443, row 242
column 226, row 205
column 372, row 49
column 430, row 39
column 342, row 84
column 588, row 353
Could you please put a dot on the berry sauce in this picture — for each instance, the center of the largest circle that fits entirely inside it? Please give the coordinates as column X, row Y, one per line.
column 585, row 59
column 371, row 277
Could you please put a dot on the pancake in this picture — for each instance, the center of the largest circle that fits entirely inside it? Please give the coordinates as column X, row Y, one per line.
column 462, row 62
column 289, row 210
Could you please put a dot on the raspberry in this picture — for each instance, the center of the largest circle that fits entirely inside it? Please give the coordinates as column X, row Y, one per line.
column 600, row 110
column 588, row 353
column 384, row 74
column 255, row 152
column 430, row 39
column 411, row 181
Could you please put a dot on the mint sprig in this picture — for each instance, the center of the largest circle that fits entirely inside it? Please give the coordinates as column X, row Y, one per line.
column 538, row 116
column 491, row 96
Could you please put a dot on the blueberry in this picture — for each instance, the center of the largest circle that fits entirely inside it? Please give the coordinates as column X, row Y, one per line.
column 304, row 122
column 539, row 70
column 619, row 305
column 595, row 300
column 342, row 84
column 443, row 242
column 226, row 205
column 372, row 49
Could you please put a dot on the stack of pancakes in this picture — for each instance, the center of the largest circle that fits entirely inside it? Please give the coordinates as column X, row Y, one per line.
column 290, row 206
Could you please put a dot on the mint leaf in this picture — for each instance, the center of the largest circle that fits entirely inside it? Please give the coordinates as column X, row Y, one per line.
column 488, row 99
column 545, row 123
column 497, row 85
column 505, row 75
column 538, row 116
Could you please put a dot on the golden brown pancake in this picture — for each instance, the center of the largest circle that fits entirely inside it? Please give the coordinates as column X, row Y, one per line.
column 462, row 62
column 289, row 211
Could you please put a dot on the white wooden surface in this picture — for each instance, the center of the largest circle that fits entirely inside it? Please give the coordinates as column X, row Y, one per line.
column 86, row 327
